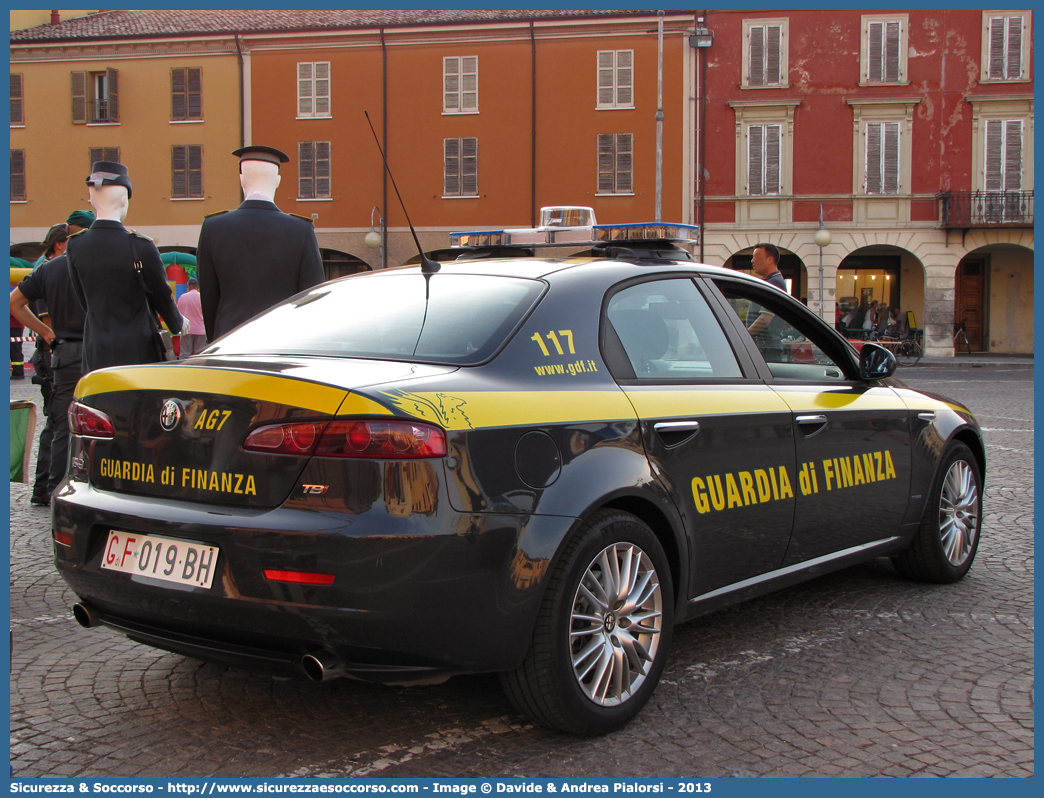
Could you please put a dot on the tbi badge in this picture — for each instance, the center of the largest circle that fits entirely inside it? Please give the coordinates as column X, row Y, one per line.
column 170, row 415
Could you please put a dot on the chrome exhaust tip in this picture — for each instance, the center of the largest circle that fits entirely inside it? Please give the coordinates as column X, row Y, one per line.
column 86, row 615
column 322, row 666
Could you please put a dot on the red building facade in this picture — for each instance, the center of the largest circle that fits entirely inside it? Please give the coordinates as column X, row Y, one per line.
column 910, row 133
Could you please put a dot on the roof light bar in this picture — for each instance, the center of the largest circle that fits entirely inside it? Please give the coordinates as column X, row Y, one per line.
column 563, row 225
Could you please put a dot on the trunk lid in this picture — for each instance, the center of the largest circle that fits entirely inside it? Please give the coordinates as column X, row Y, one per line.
column 180, row 426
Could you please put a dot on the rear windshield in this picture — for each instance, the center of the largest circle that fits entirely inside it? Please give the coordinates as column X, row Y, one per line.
column 445, row 318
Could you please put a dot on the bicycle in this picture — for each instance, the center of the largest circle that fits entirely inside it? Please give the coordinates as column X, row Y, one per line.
column 907, row 352
column 960, row 335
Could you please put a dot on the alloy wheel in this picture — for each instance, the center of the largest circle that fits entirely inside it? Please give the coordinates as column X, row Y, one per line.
column 958, row 512
column 616, row 624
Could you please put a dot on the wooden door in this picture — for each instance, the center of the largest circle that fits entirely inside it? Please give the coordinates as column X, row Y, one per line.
column 970, row 300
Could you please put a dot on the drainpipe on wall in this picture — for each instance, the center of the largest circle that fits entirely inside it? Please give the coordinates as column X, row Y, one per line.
column 702, row 172
column 659, row 117
column 533, row 155
column 242, row 121
column 384, row 171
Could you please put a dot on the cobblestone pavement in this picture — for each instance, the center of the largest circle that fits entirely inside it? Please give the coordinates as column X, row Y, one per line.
column 857, row 673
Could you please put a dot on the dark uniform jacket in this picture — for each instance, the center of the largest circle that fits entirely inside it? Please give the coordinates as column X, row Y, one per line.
column 51, row 286
column 101, row 265
column 250, row 259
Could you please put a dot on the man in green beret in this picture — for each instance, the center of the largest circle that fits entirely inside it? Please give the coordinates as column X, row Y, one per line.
column 79, row 220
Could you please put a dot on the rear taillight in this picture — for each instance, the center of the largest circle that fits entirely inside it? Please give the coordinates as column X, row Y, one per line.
column 89, row 423
column 382, row 440
column 297, row 438
column 385, row 440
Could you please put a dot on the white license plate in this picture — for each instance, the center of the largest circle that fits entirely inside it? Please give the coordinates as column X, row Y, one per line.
column 175, row 561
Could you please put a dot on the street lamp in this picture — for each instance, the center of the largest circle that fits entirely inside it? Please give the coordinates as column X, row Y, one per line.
column 701, row 39
column 375, row 240
column 822, row 239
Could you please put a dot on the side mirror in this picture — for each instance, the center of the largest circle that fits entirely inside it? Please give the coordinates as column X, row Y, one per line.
column 876, row 362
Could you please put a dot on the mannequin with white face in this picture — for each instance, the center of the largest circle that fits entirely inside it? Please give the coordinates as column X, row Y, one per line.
column 259, row 179
column 110, row 202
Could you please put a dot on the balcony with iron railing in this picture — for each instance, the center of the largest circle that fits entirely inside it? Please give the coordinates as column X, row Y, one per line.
column 100, row 111
column 967, row 209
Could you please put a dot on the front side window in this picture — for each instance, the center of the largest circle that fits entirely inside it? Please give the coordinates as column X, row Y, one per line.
column 17, row 175
column 789, row 340
column 460, row 167
column 668, row 332
column 460, row 84
column 313, row 169
column 186, row 93
column 615, row 79
column 95, row 97
column 313, row 89
column 17, row 117
column 882, row 158
column 615, row 163
column 764, row 155
column 110, row 154
column 186, row 171
column 446, row 318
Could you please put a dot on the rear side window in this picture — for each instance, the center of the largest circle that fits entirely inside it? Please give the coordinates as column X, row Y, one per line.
column 456, row 319
column 669, row 333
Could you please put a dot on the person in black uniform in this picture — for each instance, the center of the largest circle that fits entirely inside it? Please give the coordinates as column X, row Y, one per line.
column 101, row 265
column 54, row 245
column 52, row 284
column 256, row 256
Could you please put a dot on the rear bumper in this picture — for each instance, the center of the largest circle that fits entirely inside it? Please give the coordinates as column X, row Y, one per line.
column 414, row 598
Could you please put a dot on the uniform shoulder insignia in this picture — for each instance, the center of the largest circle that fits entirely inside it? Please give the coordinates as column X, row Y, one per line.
column 78, row 232
column 215, row 213
column 140, row 235
column 308, row 219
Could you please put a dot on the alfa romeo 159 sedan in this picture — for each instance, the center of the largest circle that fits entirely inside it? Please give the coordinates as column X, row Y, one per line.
column 517, row 464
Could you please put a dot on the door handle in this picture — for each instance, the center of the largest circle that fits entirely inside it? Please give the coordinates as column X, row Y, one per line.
column 677, row 426
column 808, row 422
column 928, row 416
column 675, row 433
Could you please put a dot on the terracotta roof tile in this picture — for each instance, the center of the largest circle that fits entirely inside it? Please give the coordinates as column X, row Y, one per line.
column 133, row 24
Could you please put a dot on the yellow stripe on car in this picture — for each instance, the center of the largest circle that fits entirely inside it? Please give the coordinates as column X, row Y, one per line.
column 248, row 385
column 804, row 399
column 717, row 401
column 478, row 409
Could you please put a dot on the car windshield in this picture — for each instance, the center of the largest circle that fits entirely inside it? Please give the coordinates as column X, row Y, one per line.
column 456, row 319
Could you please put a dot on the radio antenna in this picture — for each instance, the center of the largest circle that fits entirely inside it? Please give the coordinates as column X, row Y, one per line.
column 428, row 266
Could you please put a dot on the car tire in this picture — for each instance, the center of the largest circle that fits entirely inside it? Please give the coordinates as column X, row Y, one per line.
column 587, row 672
column 946, row 541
